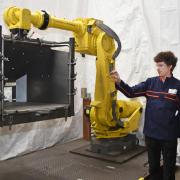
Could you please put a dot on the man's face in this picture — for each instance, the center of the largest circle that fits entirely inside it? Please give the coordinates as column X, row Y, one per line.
column 163, row 69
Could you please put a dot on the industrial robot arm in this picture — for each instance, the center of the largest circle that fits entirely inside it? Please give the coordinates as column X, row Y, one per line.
column 94, row 38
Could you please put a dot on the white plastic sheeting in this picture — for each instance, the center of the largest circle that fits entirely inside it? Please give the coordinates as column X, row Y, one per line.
column 144, row 27
column 30, row 137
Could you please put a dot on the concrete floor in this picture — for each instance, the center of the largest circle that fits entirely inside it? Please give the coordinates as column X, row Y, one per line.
column 57, row 163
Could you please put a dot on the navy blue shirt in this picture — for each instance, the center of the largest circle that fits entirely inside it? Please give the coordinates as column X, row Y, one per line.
column 162, row 107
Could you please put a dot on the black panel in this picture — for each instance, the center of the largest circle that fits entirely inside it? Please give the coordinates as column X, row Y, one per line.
column 48, row 78
column 23, row 57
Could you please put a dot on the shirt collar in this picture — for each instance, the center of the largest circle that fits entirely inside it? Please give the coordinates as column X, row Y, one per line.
column 167, row 78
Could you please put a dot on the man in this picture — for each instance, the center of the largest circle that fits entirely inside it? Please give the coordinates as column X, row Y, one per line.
column 161, row 114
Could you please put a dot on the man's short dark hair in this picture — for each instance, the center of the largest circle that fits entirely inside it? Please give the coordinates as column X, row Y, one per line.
column 167, row 57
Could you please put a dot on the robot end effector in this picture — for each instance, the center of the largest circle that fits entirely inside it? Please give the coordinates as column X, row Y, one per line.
column 19, row 21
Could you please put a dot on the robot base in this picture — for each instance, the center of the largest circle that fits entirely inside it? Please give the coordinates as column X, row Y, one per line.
column 113, row 146
column 117, row 150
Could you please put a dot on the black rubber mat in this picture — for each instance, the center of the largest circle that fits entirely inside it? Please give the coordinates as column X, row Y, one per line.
column 121, row 158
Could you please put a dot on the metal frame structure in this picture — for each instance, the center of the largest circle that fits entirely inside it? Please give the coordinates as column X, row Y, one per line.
column 49, row 79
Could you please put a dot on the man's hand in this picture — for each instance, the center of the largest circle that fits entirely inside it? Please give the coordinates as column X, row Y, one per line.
column 115, row 76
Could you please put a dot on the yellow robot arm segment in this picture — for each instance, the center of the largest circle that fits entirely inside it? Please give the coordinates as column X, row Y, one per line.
column 21, row 18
